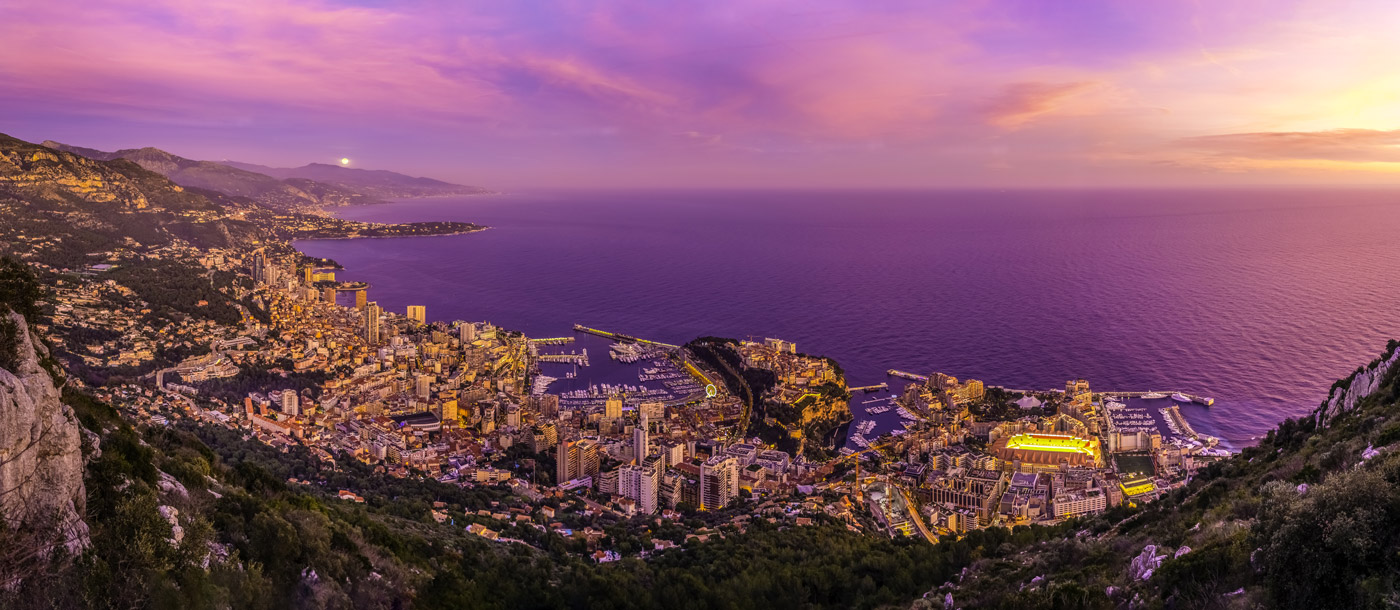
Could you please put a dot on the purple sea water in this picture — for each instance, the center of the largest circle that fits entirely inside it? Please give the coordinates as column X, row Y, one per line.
column 1259, row 298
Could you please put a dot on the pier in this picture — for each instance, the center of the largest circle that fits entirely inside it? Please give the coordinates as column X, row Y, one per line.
column 906, row 375
column 620, row 337
column 1191, row 397
column 1201, row 400
column 579, row 359
column 869, row 388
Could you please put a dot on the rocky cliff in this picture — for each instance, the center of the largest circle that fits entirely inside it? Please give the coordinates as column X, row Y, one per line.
column 41, row 462
column 1365, row 381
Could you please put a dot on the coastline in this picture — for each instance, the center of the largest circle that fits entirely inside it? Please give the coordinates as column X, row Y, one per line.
column 555, row 268
column 840, row 436
column 353, row 237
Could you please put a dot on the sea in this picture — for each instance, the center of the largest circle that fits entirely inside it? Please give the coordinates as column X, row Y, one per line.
column 1258, row 298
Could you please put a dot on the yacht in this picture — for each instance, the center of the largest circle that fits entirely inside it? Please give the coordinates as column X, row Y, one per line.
column 1153, row 396
column 1179, row 397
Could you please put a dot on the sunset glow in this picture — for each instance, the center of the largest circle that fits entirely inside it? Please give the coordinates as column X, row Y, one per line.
column 826, row 93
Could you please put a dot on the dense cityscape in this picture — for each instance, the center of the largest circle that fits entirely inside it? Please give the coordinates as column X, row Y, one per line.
column 466, row 403
column 617, row 305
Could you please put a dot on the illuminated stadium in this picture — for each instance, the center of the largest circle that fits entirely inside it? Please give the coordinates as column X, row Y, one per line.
column 1047, row 450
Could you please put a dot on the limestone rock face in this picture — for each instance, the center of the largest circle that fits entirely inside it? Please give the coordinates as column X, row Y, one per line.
column 1363, row 384
column 41, row 461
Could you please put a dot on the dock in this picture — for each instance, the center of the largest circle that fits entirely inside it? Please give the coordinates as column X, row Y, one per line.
column 1190, row 397
column 906, row 375
column 620, row 337
column 579, row 359
column 869, row 388
column 552, row 341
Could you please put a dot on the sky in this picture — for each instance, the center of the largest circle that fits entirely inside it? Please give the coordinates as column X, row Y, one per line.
column 515, row 94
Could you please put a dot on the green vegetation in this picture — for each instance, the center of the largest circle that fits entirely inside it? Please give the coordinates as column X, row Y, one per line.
column 172, row 288
column 19, row 289
column 259, row 379
column 10, row 341
column 20, row 293
column 755, row 385
column 999, row 405
column 1257, row 536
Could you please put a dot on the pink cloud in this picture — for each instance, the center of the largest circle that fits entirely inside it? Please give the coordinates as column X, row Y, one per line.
column 1021, row 103
column 766, row 90
column 1335, row 145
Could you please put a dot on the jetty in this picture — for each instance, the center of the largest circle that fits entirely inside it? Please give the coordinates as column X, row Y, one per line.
column 620, row 337
column 579, row 359
column 870, row 388
column 552, row 341
column 906, row 375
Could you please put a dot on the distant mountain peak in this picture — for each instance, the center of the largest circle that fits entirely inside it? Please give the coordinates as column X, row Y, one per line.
column 377, row 182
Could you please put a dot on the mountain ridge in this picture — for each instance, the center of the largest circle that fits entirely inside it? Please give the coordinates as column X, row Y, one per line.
column 379, row 182
column 269, row 191
column 307, row 188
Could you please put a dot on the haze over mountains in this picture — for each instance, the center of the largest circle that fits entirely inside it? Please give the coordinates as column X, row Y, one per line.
column 377, row 182
column 312, row 186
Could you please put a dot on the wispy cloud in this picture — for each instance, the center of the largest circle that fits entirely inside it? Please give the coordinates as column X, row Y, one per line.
column 1362, row 145
column 905, row 92
column 1021, row 103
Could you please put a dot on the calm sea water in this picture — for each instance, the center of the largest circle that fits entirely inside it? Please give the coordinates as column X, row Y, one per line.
column 1260, row 299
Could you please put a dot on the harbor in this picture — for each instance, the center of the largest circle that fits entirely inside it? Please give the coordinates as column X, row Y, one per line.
column 637, row 370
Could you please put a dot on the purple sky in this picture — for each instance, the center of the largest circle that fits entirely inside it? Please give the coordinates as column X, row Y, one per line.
column 556, row 93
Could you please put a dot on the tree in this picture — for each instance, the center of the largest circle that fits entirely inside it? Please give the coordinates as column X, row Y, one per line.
column 19, row 289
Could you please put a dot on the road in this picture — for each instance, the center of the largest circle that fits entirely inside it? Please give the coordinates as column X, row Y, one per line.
column 914, row 515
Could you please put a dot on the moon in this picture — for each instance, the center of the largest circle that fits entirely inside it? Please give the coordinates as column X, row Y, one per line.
column 345, row 161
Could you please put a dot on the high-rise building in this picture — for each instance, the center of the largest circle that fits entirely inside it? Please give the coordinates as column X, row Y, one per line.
column 642, row 482
column 289, row 403
column 328, row 295
column 418, row 313
column 673, row 451
column 640, row 448
column 361, row 299
column 466, row 331
column 688, row 489
column 612, row 409
column 610, row 482
column 719, row 482
column 576, row 459
column 565, row 462
column 652, row 468
column 259, row 267
column 449, row 414
column 371, row 322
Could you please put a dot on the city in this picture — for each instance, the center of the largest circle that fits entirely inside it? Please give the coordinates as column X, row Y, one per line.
column 465, row 403
column 733, row 305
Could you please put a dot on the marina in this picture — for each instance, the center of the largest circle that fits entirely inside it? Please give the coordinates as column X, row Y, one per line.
column 637, row 370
